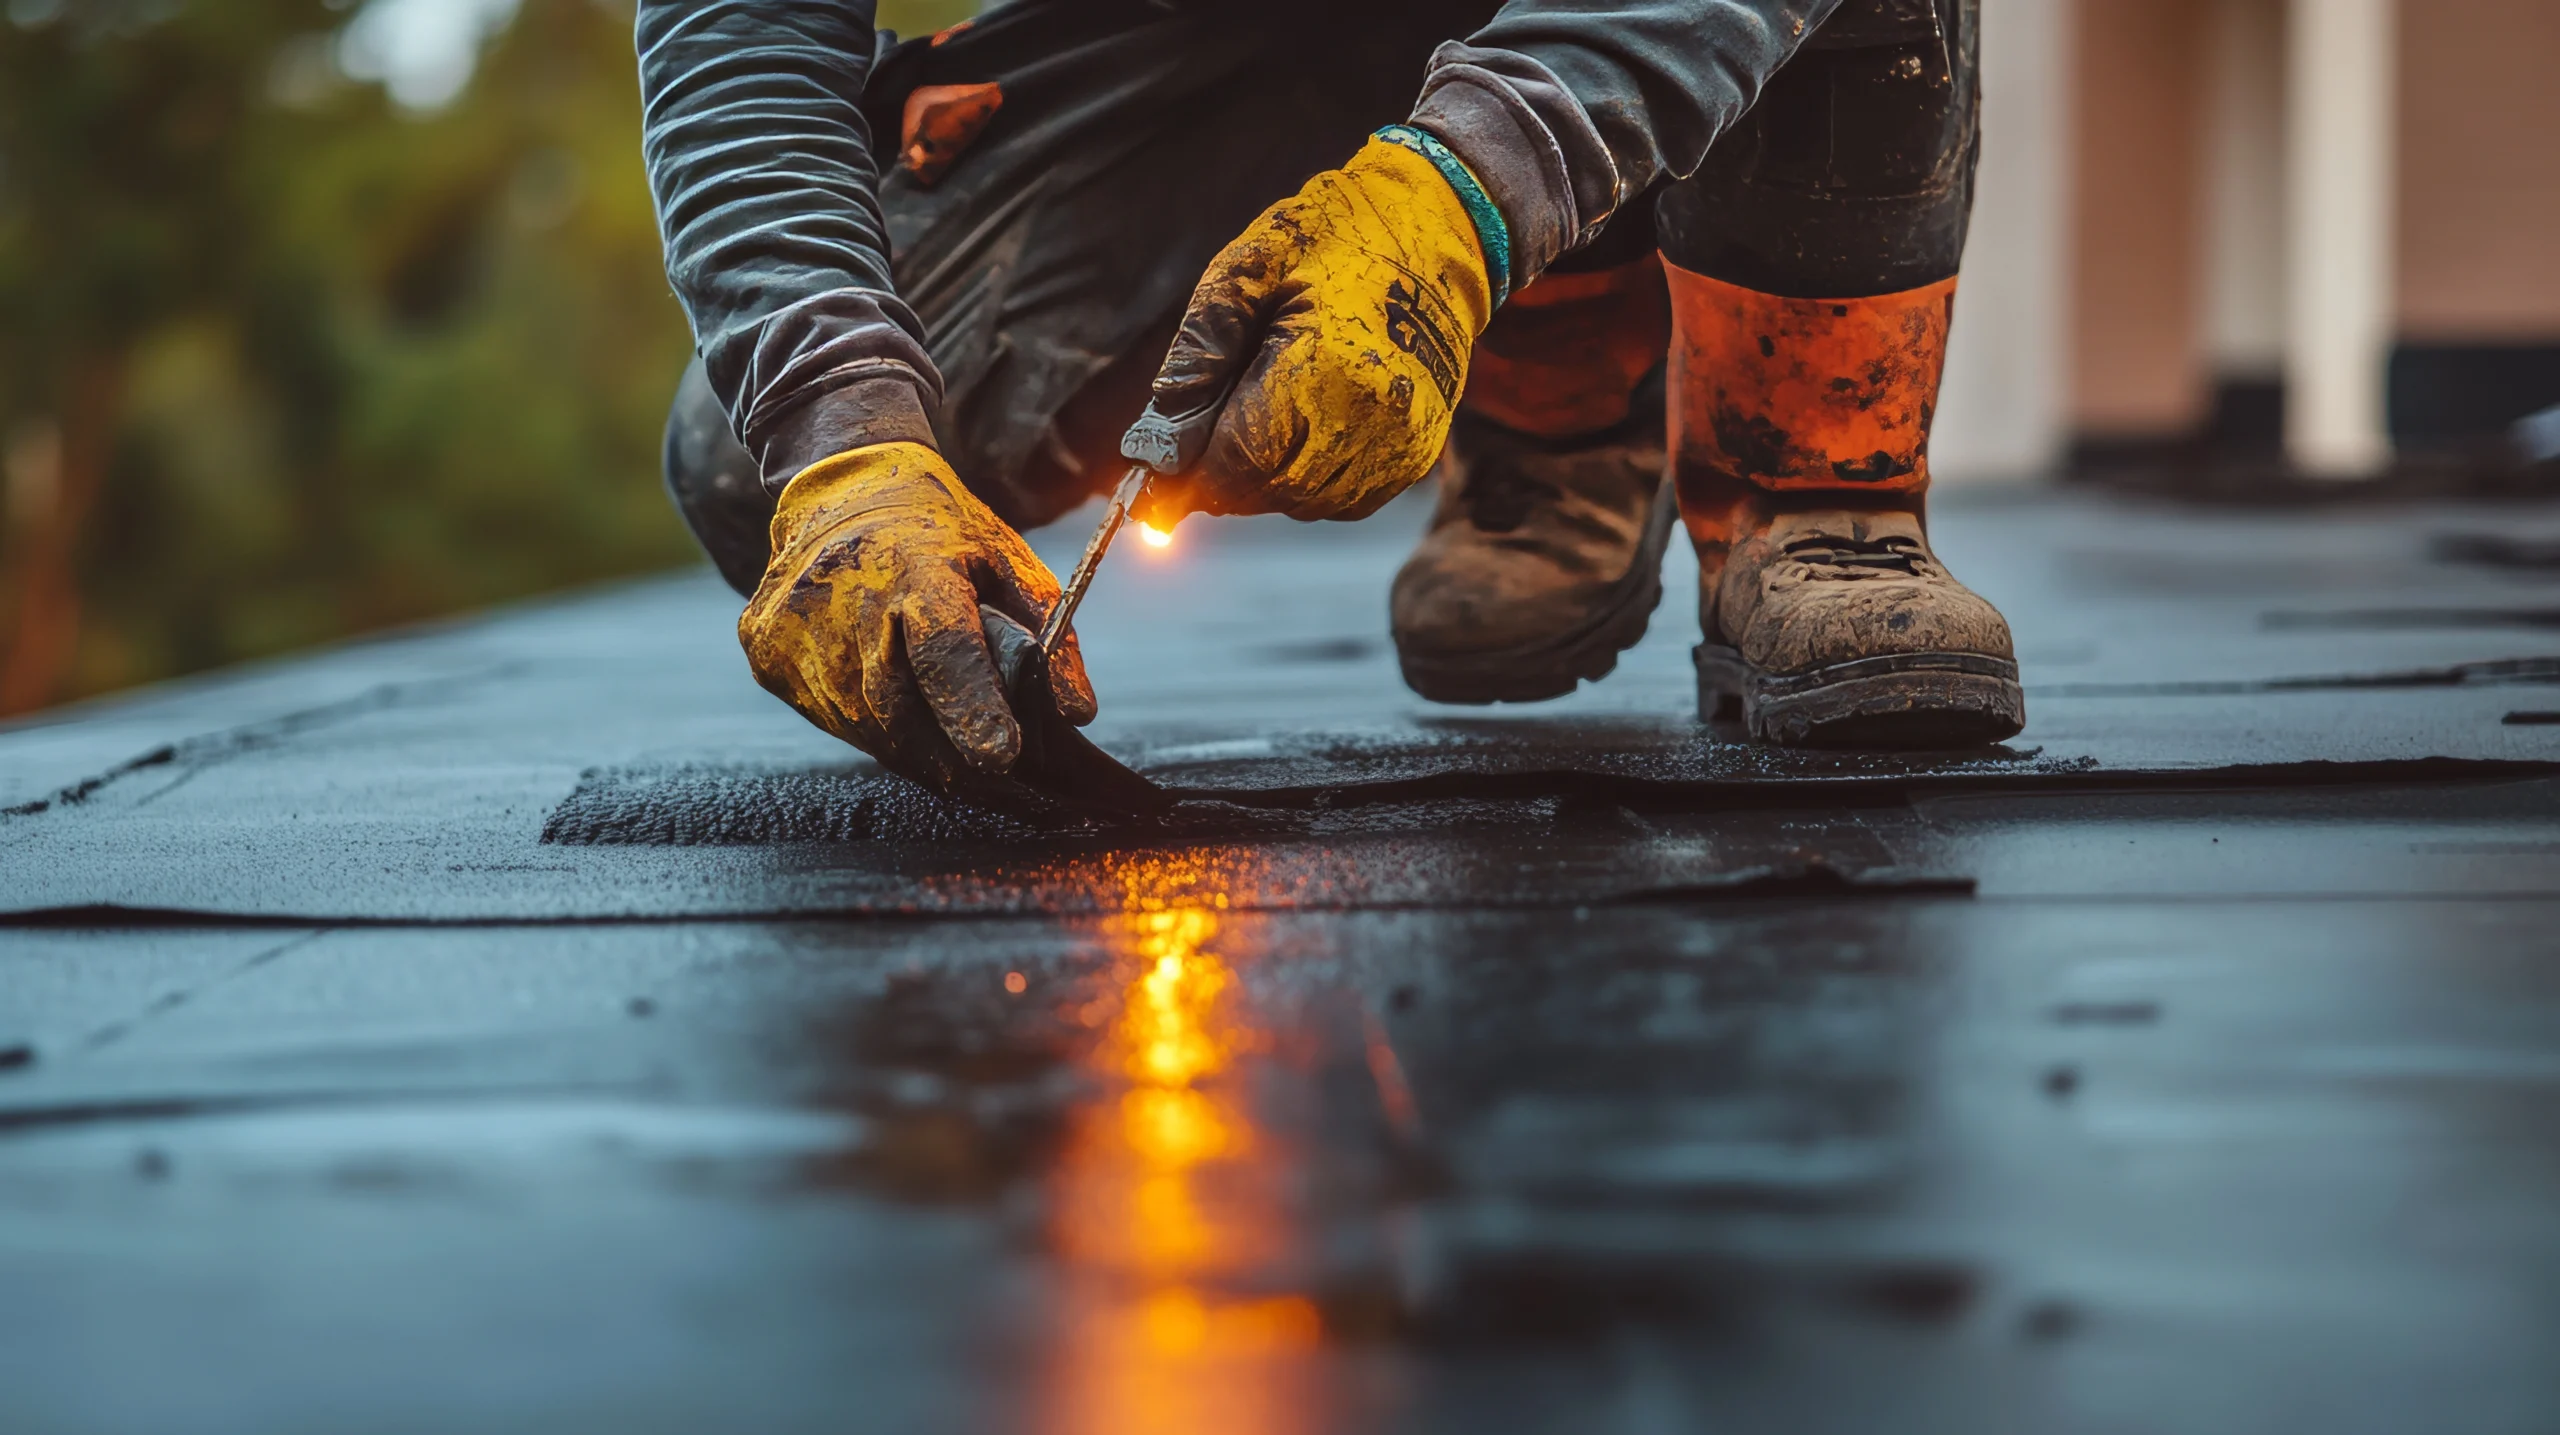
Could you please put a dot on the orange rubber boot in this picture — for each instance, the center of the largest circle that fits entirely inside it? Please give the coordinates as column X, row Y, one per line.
column 1799, row 440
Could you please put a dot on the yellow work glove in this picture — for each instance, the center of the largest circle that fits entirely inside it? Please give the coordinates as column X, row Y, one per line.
column 867, row 620
column 1341, row 321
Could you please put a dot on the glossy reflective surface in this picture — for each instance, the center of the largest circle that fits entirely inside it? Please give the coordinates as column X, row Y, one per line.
column 2190, row 1066
column 1173, row 1209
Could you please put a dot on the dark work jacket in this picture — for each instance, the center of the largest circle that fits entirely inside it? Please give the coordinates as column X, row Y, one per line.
column 766, row 175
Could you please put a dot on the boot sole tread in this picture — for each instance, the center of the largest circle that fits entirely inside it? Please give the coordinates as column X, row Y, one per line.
column 1897, row 700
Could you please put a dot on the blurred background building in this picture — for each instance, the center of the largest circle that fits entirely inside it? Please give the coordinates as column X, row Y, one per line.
column 318, row 316
column 2233, row 232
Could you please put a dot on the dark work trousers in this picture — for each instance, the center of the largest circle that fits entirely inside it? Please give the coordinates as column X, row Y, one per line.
column 1050, row 249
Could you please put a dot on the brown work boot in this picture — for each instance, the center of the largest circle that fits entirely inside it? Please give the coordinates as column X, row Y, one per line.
column 1542, row 565
column 1838, row 627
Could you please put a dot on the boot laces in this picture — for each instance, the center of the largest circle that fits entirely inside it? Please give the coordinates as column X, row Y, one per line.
column 1894, row 554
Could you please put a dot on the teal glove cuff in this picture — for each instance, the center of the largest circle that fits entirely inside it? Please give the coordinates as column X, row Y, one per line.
column 1491, row 231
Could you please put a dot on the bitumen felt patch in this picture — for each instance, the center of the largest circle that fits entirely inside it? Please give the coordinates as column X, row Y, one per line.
column 528, row 1023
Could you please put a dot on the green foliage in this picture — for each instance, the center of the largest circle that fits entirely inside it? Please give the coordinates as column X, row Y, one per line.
column 909, row 18
column 367, row 366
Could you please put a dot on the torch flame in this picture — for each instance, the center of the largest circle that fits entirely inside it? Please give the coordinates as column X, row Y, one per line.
column 1153, row 536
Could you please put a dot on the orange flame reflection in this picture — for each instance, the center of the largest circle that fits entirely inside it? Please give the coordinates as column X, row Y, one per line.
column 1170, row 1211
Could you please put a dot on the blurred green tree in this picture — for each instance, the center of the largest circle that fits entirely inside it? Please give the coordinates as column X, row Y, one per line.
column 280, row 362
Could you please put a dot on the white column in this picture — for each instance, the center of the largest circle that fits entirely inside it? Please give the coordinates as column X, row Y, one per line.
column 2244, row 201
column 2002, row 411
column 2341, row 78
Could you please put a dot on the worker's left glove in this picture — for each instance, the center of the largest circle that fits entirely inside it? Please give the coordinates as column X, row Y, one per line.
column 869, row 618
column 1337, row 329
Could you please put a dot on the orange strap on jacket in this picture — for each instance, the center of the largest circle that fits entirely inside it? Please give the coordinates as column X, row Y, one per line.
column 1782, row 393
column 942, row 121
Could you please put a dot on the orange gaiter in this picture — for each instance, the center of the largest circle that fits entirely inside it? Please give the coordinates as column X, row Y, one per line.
column 1564, row 357
column 1776, row 395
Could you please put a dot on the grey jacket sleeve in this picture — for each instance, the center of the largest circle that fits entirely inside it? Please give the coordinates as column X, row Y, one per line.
column 1566, row 109
column 760, row 162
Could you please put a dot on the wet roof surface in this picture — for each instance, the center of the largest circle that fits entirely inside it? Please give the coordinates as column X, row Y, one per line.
column 529, row 1023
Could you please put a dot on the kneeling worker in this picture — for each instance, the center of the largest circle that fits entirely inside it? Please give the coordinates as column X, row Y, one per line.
column 931, row 282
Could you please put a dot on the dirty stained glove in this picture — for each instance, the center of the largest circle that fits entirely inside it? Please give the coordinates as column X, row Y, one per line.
column 1337, row 330
column 868, row 622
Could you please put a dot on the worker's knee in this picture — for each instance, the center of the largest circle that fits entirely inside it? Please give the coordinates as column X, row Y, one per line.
column 715, row 484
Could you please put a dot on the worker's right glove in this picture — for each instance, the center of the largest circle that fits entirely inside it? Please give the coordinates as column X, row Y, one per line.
column 867, row 620
column 1337, row 330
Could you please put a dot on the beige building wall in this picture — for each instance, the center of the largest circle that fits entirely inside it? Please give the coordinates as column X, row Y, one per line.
column 2138, row 277
column 2479, row 222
